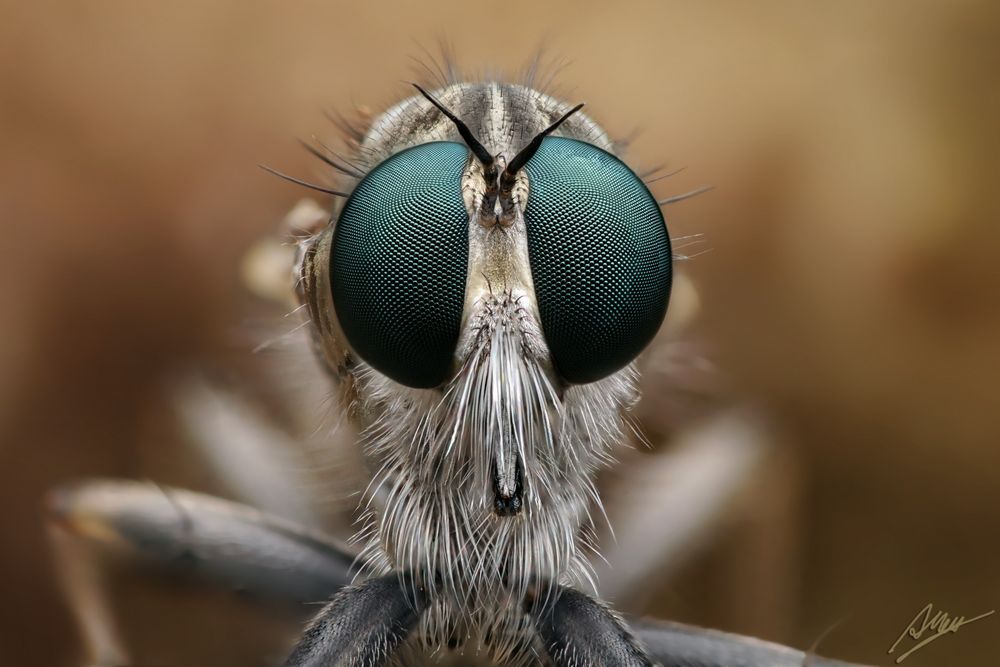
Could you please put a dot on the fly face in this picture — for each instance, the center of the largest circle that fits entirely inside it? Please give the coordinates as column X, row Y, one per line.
column 481, row 296
column 437, row 229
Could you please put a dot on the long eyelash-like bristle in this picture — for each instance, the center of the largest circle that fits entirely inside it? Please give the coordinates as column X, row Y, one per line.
column 541, row 72
column 652, row 175
column 427, row 73
column 686, row 195
column 352, row 163
column 343, row 168
column 441, row 69
column 352, row 131
column 305, row 184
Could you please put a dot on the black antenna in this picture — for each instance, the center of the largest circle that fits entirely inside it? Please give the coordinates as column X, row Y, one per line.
column 292, row 179
column 528, row 151
column 477, row 148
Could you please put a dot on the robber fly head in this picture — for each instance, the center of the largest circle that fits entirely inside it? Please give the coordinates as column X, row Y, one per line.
column 437, row 230
column 483, row 291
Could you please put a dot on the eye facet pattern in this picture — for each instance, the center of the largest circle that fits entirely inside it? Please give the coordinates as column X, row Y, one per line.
column 398, row 263
column 600, row 258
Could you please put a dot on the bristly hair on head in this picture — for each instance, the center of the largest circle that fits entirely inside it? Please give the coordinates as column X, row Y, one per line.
column 477, row 148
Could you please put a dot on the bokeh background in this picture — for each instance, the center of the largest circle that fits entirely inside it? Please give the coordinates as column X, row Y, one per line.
column 848, row 284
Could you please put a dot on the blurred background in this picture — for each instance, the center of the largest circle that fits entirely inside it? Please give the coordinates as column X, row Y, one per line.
column 840, row 318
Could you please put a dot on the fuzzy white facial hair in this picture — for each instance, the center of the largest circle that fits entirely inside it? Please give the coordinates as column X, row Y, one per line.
column 433, row 501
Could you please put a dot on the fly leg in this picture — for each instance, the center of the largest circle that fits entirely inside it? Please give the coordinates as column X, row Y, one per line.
column 578, row 630
column 678, row 644
column 98, row 526
column 361, row 626
column 207, row 537
column 85, row 591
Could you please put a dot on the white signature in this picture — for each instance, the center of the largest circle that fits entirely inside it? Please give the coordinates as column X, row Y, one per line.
column 939, row 624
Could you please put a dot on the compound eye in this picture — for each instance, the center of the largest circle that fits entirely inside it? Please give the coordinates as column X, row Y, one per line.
column 600, row 258
column 398, row 264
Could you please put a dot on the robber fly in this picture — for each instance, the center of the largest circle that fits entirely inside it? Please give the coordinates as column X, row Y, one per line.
column 479, row 296
column 480, row 299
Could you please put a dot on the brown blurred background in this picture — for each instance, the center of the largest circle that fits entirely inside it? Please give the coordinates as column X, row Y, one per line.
column 851, row 292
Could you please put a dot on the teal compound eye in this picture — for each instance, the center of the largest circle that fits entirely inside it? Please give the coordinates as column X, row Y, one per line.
column 398, row 264
column 600, row 258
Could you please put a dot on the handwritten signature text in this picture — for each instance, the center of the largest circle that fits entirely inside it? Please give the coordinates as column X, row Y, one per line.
column 937, row 624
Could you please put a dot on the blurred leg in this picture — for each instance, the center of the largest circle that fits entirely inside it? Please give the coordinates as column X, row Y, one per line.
column 678, row 644
column 85, row 592
column 221, row 541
